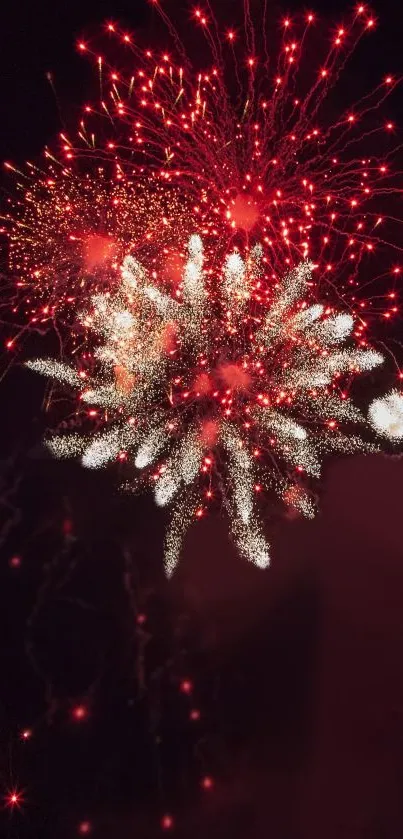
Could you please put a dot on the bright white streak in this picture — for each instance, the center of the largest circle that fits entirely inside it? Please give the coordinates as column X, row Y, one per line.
column 106, row 446
column 55, row 370
column 150, row 448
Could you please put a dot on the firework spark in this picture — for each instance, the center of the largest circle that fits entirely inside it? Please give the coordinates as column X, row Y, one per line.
column 239, row 400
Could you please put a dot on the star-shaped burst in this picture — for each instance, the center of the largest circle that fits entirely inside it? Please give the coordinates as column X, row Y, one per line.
column 227, row 386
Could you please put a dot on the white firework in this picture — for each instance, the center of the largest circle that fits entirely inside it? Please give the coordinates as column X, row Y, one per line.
column 386, row 415
column 218, row 386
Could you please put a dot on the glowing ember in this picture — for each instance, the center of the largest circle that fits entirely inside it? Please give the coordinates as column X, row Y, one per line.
column 14, row 799
column 167, row 822
column 80, row 712
column 244, row 212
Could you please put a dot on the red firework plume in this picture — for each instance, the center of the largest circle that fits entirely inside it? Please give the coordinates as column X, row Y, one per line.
column 235, row 145
column 250, row 139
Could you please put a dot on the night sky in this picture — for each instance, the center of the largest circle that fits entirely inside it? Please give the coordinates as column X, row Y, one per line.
column 243, row 704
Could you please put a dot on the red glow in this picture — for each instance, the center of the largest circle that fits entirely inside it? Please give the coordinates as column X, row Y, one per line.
column 125, row 381
column 207, row 782
column 203, row 384
column 141, row 619
column 67, row 527
column 234, row 377
column 244, row 212
column 167, row 822
column 15, row 562
column 186, row 686
column 167, row 338
column 97, row 250
column 172, row 269
column 80, row 713
column 14, row 799
column 209, row 433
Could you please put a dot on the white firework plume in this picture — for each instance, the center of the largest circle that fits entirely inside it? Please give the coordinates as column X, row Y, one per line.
column 231, row 386
column 386, row 415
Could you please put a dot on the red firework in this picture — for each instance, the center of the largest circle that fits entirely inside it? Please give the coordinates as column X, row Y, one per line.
column 249, row 139
column 235, row 145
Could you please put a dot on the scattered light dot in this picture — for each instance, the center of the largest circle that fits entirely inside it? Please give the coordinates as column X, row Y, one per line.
column 14, row 799
column 167, row 822
column 80, row 712
column 207, row 782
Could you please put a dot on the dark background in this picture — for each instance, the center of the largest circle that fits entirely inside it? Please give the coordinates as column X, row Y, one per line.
column 296, row 672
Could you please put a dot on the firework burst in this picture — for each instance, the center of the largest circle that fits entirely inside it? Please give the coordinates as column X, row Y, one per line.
column 216, row 363
column 244, row 143
column 247, row 135
column 232, row 387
